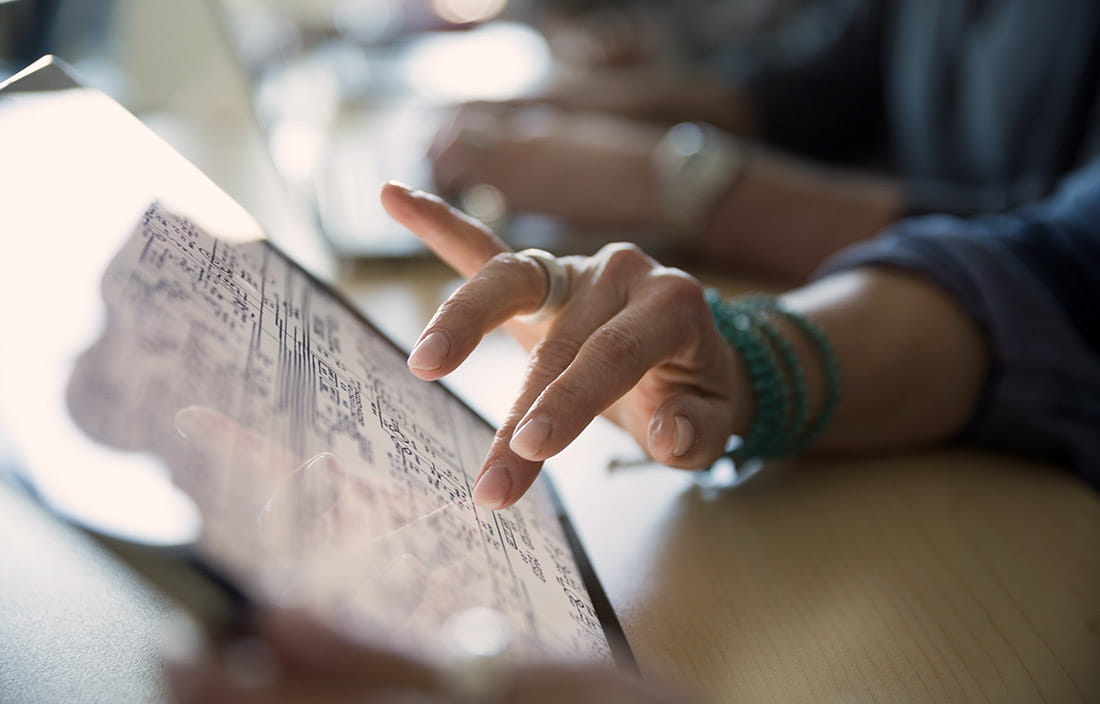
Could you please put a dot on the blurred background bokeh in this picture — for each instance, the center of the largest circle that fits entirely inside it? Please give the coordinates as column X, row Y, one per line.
column 300, row 108
column 295, row 108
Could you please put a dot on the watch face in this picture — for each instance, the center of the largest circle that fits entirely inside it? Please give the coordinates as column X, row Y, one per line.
column 694, row 164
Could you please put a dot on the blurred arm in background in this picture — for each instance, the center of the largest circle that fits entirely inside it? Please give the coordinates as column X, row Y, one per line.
column 851, row 115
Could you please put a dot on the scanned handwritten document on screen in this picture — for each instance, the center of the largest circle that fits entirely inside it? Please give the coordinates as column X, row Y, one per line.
column 327, row 475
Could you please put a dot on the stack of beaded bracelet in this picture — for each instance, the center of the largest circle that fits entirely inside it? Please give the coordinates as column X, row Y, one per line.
column 781, row 423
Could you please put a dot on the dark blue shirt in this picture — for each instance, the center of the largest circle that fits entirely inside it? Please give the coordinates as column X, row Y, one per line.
column 977, row 105
column 1031, row 281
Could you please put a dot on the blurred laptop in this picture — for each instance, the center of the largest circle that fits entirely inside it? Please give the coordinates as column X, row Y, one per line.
column 349, row 93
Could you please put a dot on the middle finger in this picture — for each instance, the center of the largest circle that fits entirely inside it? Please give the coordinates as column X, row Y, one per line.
column 506, row 475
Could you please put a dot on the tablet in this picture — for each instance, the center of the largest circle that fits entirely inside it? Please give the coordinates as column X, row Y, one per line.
column 164, row 364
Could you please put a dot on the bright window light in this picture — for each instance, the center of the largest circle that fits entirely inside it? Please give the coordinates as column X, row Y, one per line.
column 495, row 62
column 467, row 11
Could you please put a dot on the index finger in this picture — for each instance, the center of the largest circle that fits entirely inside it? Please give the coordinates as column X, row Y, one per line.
column 462, row 242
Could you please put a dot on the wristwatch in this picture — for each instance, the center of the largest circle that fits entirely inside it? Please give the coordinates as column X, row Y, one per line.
column 694, row 164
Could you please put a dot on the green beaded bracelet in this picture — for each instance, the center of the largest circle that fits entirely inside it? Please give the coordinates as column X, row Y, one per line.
column 737, row 326
column 780, row 425
column 796, row 389
column 829, row 365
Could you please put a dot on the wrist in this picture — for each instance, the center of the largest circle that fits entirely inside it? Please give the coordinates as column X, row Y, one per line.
column 774, row 344
column 693, row 166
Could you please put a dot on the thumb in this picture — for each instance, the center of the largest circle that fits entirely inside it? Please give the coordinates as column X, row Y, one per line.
column 690, row 432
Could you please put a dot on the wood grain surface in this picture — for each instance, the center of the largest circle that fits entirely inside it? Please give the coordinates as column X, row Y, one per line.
column 944, row 576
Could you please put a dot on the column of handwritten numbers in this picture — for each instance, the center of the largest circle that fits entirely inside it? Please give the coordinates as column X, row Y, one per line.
column 424, row 410
column 500, row 586
column 166, row 271
column 240, row 287
column 417, row 452
column 225, row 301
column 158, row 225
column 581, row 611
column 505, row 589
column 447, row 541
column 517, row 541
column 425, row 485
column 444, row 459
column 509, row 593
column 224, row 286
column 339, row 412
column 174, row 282
column 516, row 535
column 251, row 264
column 478, row 558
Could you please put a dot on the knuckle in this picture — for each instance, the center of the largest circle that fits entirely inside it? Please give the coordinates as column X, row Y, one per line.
column 554, row 354
column 680, row 284
column 464, row 308
column 506, row 260
column 515, row 269
column 624, row 258
column 679, row 296
column 566, row 393
column 617, row 347
column 509, row 263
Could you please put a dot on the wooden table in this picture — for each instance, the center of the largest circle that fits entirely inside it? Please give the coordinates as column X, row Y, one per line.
column 944, row 576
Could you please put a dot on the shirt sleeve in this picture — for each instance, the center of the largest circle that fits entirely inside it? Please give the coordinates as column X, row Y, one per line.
column 1031, row 281
column 925, row 196
column 816, row 84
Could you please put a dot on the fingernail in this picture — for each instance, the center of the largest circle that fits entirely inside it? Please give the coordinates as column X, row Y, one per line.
column 530, row 437
column 491, row 491
column 685, row 436
column 430, row 353
column 399, row 185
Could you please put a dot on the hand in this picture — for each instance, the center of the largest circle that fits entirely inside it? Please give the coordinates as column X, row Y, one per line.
column 657, row 95
column 635, row 341
column 291, row 659
column 588, row 168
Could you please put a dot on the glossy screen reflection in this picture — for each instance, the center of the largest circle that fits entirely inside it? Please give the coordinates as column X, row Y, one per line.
column 326, row 474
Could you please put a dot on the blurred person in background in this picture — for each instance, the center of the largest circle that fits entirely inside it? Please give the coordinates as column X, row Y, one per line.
column 604, row 34
column 782, row 151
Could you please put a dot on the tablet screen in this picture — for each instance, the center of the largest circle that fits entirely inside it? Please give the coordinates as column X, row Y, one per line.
column 142, row 351
column 327, row 475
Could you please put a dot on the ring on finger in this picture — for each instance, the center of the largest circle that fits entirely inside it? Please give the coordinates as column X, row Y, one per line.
column 557, row 284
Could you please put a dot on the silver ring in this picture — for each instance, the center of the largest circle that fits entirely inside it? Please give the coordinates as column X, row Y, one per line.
column 557, row 284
